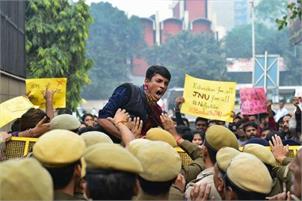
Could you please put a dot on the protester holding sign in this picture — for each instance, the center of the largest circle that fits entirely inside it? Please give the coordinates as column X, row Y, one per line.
column 253, row 101
column 209, row 99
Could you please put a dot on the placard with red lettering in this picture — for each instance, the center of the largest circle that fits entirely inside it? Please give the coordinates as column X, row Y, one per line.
column 253, row 101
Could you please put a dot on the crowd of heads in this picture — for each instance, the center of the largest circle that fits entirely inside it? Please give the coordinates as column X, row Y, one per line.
column 76, row 158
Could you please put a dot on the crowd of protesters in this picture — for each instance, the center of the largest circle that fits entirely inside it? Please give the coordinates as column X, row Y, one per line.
column 129, row 152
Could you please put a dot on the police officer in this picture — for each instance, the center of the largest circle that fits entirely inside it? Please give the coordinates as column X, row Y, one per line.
column 24, row 179
column 161, row 166
column 247, row 178
column 60, row 152
column 111, row 172
column 216, row 137
column 280, row 174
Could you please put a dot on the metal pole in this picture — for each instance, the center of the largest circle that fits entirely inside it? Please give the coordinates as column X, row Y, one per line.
column 253, row 38
column 265, row 71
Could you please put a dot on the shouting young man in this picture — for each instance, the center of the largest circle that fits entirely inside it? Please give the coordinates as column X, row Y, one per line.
column 138, row 101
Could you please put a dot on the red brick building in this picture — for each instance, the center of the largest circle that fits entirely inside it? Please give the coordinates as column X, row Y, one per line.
column 169, row 28
column 139, row 65
column 187, row 15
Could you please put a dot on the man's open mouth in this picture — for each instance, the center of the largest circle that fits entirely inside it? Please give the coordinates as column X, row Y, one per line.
column 159, row 93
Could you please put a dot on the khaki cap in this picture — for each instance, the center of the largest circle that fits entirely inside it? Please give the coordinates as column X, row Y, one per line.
column 58, row 148
column 224, row 157
column 249, row 173
column 261, row 152
column 24, row 179
column 93, row 137
column 136, row 145
column 160, row 161
column 159, row 134
column 111, row 156
column 219, row 136
column 65, row 121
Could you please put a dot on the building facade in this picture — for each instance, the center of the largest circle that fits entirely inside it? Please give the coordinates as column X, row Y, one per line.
column 189, row 15
column 12, row 49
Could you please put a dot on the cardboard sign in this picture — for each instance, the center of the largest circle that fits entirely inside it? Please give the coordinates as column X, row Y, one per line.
column 35, row 89
column 253, row 101
column 209, row 99
column 13, row 108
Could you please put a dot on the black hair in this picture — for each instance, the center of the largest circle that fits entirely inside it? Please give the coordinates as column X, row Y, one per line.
column 156, row 69
column 201, row 119
column 155, row 188
column 31, row 118
column 110, row 184
column 86, row 129
column 250, row 124
column 16, row 125
column 242, row 194
column 200, row 133
column 183, row 131
column 184, row 121
column 212, row 153
column 263, row 116
column 256, row 140
column 61, row 176
column 64, row 111
column 85, row 115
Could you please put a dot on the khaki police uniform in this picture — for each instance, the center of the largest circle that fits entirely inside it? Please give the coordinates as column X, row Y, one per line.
column 107, row 156
column 93, row 137
column 189, row 171
column 24, row 179
column 281, row 178
column 159, row 160
column 205, row 177
column 224, row 157
column 59, row 148
column 216, row 137
column 249, row 173
column 65, row 121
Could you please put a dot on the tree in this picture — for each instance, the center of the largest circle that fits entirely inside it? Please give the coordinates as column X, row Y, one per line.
column 56, row 34
column 294, row 12
column 113, row 39
column 267, row 11
column 238, row 42
column 199, row 55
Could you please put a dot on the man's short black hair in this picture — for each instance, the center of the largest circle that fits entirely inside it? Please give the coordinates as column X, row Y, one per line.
column 110, row 184
column 242, row 194
column 61, row 176
column 250, row 124
column 198, row 132
column 86, row 115
column 156, row 69
column 212, row 153
column 263, row 116
column 201, row 119
column 155, row 188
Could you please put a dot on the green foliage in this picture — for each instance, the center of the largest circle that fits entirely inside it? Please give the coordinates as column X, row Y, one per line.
column 238, row 42
column 199, row 55
column 113, row 40
column 269, row 10
column 294, row 10
column 56, row 34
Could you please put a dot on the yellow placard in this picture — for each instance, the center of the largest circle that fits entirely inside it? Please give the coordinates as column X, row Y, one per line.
column 13, row 108
column 209, row 99
column 35, row 89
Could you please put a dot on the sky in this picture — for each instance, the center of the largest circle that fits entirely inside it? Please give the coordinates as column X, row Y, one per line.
column 141, row 8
